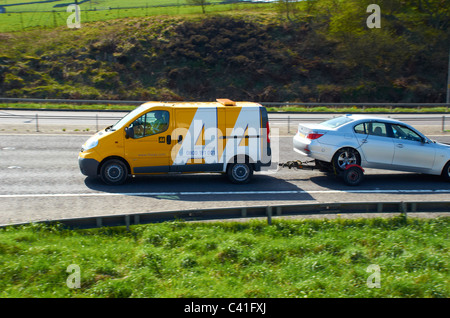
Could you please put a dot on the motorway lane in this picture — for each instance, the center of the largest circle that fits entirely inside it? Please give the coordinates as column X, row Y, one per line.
column 16, row 121
column 40, row 180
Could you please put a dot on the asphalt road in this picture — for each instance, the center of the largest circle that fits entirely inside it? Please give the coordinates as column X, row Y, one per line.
column 28, row 121
column 40, row 180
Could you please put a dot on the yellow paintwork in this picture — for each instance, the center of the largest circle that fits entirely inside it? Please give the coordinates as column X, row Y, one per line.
column 152, row 151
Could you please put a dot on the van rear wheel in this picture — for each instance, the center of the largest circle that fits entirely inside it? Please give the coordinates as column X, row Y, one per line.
column 114, row 172
column 239, row 173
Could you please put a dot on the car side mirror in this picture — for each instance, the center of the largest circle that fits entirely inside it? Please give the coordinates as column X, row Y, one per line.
column 129, row 132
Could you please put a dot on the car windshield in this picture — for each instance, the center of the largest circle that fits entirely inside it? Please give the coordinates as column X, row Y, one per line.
column 336, row 122
column 127, row 118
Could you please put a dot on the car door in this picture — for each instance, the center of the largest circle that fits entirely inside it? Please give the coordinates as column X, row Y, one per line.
column 376, row 143
column 148, row 147
column 411, row 150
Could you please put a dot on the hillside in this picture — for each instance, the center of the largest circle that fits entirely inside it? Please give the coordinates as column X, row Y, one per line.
column 307, row 56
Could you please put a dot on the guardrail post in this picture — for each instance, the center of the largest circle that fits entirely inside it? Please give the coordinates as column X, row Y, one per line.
column 403, row 209
column 37, row 123
column 96, row 121
column 379, row 207
column 127, row 222
column 99, row 222
column 443, row 123
column 269, row 215
column 289, row 124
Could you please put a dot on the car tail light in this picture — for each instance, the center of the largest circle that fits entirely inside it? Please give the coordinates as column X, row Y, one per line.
column 268, row 132
column 314, row 136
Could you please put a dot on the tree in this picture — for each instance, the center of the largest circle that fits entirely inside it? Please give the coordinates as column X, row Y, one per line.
column 288, row 8
column 202, row 3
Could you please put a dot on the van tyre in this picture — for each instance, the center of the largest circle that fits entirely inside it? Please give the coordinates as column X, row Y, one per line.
column 239, row 173
column 446, row 172
column 114, row 172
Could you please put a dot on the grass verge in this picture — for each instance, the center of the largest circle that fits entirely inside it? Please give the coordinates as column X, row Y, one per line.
column 290, row 258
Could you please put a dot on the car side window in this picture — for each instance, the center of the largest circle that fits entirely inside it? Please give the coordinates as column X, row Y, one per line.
column 360, row 129
column 402, row 132
column 151, row 123
column 377, row 129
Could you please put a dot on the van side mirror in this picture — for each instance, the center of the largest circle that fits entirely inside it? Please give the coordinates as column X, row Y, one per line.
column 129, row 132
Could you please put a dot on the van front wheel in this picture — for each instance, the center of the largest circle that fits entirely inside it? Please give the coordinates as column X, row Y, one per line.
column 239, row 173
column 114, row 172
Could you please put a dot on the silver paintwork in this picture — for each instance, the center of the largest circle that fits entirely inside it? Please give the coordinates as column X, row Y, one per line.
column 399, row 147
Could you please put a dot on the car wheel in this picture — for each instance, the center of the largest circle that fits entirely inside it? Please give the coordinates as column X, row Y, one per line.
column 446, row 171
column 114, row 172
column 345, row 157
column 239, row 173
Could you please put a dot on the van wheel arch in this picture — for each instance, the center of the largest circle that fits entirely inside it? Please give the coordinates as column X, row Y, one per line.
column 119, row 165
column 240, row 169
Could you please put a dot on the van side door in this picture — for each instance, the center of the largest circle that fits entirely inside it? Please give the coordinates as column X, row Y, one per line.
column 148, row 141
column 196, row 135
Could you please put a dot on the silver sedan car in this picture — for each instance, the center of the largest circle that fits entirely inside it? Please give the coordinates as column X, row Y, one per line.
column 372, row 142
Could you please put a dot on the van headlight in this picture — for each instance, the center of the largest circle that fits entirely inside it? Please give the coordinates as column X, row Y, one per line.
column 91, row 143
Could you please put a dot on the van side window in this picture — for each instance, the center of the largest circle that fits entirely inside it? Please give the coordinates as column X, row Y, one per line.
column 151, row 123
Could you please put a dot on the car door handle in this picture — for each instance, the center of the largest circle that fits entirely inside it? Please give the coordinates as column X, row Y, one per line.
column 364, row 141
column 399, row 145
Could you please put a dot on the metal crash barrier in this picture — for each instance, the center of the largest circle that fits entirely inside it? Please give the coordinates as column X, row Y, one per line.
column 269, row 212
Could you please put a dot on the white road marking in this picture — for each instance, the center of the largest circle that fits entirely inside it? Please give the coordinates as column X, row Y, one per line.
column 106, row 194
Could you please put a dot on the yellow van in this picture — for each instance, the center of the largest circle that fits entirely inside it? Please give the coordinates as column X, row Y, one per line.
column 157, row 137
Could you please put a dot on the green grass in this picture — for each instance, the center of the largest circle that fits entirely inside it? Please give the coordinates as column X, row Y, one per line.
column 356, row 109
column 41, row 16
column 31, row 106
column 302, row 258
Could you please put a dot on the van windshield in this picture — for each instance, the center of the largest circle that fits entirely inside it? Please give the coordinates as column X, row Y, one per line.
column 127, row 118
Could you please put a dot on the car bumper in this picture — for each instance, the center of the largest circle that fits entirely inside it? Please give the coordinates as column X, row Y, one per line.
column 302, row 145
column 312, row 149
column 88, row 167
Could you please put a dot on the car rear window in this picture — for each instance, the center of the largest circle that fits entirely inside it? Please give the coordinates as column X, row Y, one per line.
column 336, row 122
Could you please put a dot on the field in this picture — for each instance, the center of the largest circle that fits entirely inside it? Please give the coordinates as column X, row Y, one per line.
column 53, row 14
column 289, row 259
column 243, row 51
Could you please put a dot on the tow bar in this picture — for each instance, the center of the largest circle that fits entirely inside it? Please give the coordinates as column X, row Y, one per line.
column 352, row 174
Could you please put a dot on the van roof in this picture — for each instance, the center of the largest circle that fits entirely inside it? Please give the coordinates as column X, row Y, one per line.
column 218, row 103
